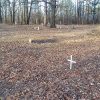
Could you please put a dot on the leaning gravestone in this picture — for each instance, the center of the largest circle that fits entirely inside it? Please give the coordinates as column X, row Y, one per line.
column 59, row 27
column 37, row 28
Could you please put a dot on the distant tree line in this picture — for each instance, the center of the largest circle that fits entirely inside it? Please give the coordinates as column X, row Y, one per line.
column 50, row 12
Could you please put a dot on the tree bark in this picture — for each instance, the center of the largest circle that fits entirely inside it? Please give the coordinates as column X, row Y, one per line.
column 53, row 14
column 29, row 15
column 13, row 20
column 25, row 11
column 5, row 13
column 0, row 13
column 45, row 17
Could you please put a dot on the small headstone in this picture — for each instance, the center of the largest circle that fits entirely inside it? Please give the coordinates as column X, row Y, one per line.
column 48, row 24
column 37, row 28
column 15, row 23
column 73, row 27
column 42, row 24
column 59, row 27
column 30, row 41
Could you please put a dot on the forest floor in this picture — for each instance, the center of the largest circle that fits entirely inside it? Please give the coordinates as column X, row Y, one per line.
column 40, row 70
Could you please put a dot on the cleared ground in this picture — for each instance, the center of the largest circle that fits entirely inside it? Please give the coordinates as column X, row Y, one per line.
column 40, row 70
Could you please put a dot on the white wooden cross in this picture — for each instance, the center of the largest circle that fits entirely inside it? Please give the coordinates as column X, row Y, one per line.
column 71, row 61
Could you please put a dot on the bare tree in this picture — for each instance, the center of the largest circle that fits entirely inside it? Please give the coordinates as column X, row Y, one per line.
column 24, row 11
column 0, row 12
column 45, row 17
column 29, row 14
column 94, row 4
column 53, row 14
column 13, row 11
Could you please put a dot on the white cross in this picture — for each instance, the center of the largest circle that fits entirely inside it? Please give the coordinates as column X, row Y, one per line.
column 71, row 61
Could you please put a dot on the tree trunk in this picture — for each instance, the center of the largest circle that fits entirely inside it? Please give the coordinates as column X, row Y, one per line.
column 77, row 12
column 0, row 13
column 13, row 20
column 45, row 17
column 88, row 14
column 25, row 11
column 94, row 12
column 5, row 14
column 53, row 14
column 29, row 15
column 10, row 10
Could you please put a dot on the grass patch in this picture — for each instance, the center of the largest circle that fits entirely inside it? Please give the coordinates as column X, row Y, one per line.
column 95, row 31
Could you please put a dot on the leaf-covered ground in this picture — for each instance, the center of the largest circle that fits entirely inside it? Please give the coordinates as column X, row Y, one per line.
column 40, row 70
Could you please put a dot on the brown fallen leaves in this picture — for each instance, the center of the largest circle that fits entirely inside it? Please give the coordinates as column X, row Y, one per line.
column 31, row 72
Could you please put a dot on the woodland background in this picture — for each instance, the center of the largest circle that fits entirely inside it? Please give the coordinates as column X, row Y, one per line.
column 50, row 12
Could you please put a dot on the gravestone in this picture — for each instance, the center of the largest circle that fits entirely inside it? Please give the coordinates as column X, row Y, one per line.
column 30, row 40
column 37, row 28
